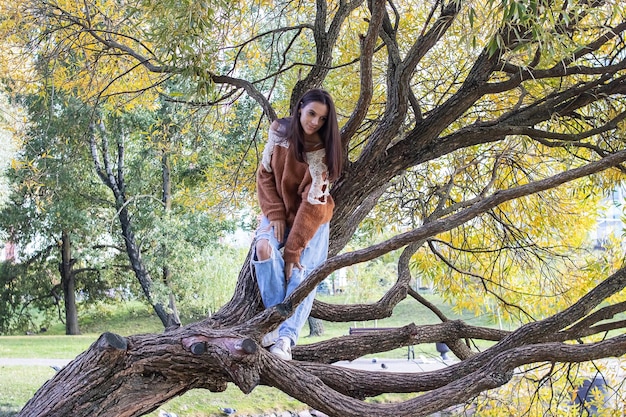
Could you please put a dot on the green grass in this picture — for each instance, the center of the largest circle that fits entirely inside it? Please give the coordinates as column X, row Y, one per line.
column 48, row 346
column 19, row 383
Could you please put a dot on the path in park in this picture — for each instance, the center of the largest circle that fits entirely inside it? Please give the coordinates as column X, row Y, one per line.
column 33, row 362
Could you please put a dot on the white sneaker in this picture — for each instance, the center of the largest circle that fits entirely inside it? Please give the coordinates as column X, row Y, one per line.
column 282, row 348
column 270, row 338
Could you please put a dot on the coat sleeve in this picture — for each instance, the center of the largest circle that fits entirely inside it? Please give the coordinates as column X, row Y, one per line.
column 270, row 201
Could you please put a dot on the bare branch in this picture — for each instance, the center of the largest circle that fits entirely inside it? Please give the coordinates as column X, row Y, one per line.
column 449, row 222
column 563, row 68
column 368, row 44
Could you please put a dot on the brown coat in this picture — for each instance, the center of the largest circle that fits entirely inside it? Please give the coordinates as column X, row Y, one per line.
column 294, row 191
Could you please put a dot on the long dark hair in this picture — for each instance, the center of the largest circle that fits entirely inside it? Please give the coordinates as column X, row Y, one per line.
column 329, row 132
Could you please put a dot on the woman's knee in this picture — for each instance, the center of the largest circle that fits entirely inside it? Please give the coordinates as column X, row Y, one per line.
column 263, row 249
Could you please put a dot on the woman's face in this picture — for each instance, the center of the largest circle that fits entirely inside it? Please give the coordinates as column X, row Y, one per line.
column 313, row 116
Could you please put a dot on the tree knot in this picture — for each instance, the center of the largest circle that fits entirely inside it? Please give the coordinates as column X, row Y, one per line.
column 112, row 341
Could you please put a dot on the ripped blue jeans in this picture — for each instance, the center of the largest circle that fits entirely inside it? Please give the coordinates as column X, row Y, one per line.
column 270, row 275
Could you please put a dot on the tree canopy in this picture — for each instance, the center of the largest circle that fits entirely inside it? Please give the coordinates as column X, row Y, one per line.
column 478, row 136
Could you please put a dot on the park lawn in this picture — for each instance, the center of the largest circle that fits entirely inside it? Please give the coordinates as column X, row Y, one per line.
column 19, row 383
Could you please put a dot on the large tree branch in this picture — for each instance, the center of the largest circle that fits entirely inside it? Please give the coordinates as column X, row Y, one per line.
column 250, row 89
column 360, row 344
column 494, row 373
column 399, row 75
column 515, row 122
column 324, row 44
column 433, row 228
column 563, row 68
column 368, row 47
column 105, row 38
column 361, row 384
column 428, row 40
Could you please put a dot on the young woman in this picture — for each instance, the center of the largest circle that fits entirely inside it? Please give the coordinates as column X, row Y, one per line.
column 302, row 156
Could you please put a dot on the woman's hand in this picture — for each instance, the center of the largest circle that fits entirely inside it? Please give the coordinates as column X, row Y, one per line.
column 279, row 229
column 289, row 266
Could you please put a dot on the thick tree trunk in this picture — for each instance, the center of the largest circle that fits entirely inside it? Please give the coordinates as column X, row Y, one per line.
column 142, row 274
column 316, row 327
column 68, row 280
column 133, row 376
column 174, row 318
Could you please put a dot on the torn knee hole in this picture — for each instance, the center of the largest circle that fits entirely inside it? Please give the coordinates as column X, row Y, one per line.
column 263, row 250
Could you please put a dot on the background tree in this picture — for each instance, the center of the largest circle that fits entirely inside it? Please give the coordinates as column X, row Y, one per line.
column 60, row 204
column 54, row 215
column 138, row 155
column 483, row 127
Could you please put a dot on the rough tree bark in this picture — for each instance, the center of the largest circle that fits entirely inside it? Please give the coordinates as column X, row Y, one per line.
column 573, row 102
column 173, row 318
column 68, row 280
column 150, row 369
column 316, row 326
